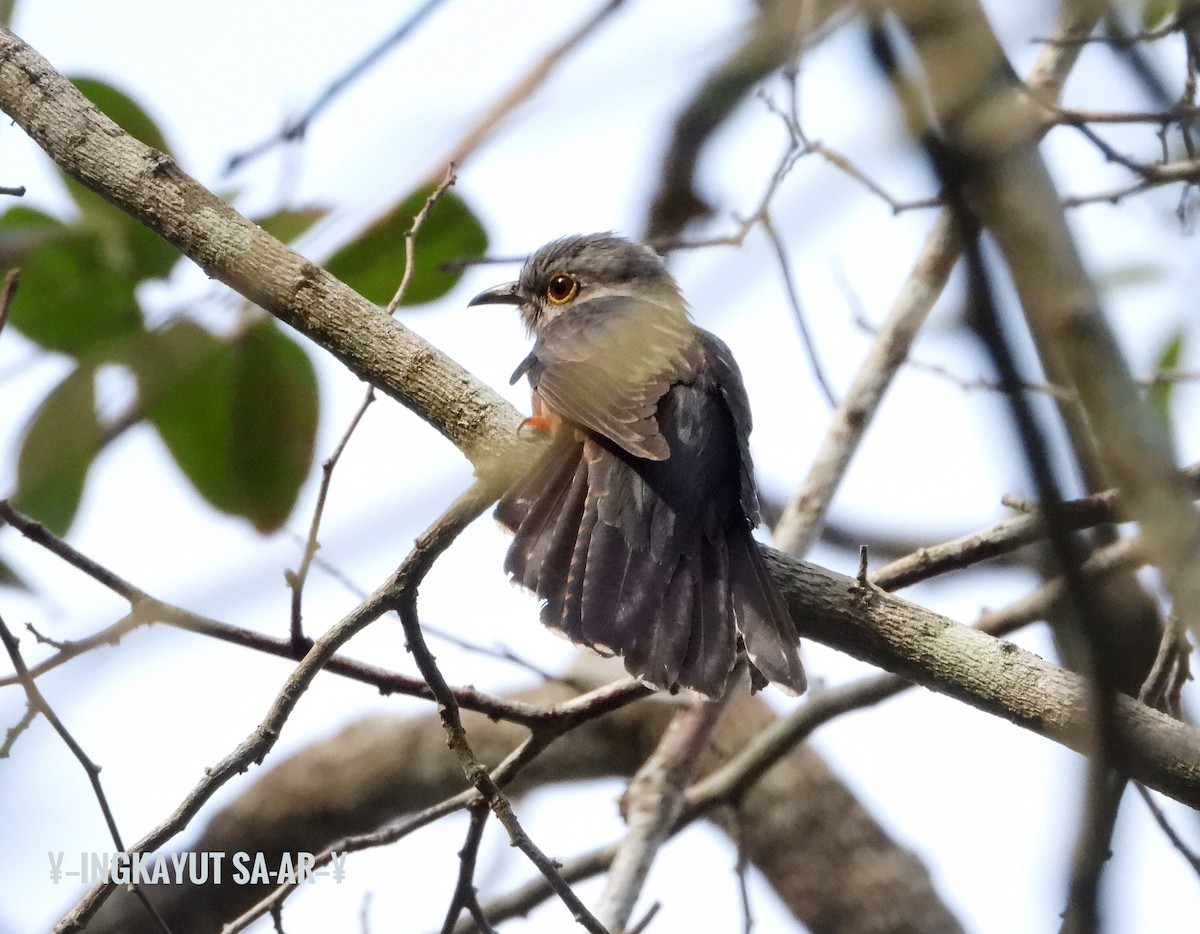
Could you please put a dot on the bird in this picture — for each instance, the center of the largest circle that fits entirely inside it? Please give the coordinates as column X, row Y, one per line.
column 635, row 527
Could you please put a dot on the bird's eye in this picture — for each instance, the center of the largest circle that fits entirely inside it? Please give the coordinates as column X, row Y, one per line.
column 561, row 289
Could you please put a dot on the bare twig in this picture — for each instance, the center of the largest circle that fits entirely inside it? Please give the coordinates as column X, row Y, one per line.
column 653, row 801
column 148, row 609
column 464, row 890
column 14, row 731
column 295, row 129
column 742, row 871
column 410, row 236
column 255, row 747
column 403, row 599
column 800, row 524
column 1005, row 537
column 1160, row 818
column 39, row 534
column 569, row 714
column 522, row 90
column 297, row 579
column 774, row 38
column 523, row 899
column 37, row 701
column 789, row 282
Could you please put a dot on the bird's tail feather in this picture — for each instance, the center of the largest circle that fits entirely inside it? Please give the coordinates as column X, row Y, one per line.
column 675, row 615
column 763, row 618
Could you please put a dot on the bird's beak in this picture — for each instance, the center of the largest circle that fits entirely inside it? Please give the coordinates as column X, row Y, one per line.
column 506, row 294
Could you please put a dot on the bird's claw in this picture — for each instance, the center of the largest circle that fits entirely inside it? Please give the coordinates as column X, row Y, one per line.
column 534, row 425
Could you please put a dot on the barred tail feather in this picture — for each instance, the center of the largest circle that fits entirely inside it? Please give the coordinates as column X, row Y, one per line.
column 712, row 643
column 620, row 571
column 567, row 615
column 763, row 618
column 658, row 656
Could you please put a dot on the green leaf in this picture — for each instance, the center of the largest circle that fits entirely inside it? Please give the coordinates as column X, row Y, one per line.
column 274, row 423
column 123, row 111
column 1161, row 392
column 290, row 224
column 71, row 298
column 60, row 443
column 185, row 385
column 1155, row 13
column 240, row 421
column 131, row 247
column 1131, row 274
column 11, row 579
column 373, row 263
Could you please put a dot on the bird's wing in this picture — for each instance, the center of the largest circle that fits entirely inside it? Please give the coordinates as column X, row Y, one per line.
column 607, row 363
column 723, row 370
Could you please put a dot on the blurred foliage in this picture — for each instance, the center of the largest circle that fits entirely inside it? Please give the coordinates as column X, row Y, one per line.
column 1156, row 12
column 237, row 411
column 370, row 263
column 10, row 578
column 1161, row 392
column 60, row 442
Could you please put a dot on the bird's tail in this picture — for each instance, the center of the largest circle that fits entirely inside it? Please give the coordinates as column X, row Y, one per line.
column 616, row 573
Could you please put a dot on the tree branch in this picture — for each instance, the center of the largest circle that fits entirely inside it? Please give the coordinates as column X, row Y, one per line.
column 151, row 187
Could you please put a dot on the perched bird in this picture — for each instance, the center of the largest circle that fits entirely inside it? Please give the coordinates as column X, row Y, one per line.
column 634, row 528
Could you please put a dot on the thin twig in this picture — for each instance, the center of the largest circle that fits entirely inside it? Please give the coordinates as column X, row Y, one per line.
column 524, row 88
column 497, row 650
column 793, row 296
column 39, row 534
column 297, row 579
column 464, row 890
column 654, row 800
column 256, row 746
column 37, row 701
column 1160, row 818
column 1005, row 537
column 403, row 599
column 410, row 236
column 588, row 706
column 800, row 524
column 742, row 871
column 295, row 129
column 15, row 731
column 148, row 609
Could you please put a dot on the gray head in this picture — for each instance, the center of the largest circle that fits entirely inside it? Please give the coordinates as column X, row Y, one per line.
column 572, row 271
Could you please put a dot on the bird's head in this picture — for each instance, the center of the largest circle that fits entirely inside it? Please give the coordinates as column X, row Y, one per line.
column 567, row 275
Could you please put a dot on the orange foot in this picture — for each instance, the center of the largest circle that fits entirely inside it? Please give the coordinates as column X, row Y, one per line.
column 535, row 423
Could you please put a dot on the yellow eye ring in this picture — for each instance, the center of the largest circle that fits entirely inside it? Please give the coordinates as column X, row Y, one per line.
column 561, row 288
